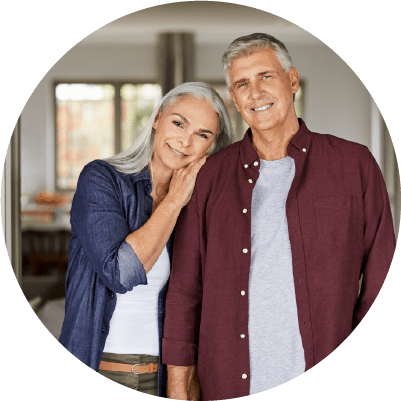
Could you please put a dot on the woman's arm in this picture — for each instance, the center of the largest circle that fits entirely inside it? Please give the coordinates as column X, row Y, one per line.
column 148, row 241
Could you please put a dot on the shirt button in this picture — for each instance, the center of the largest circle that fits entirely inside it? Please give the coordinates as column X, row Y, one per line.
column 245, row 250
column 103, row 330
column 242, row 292
column 245, row 210
column 246, row 166
column 111, row 296
column 255, row 164
column 242, row 336
column 304, row 150
column 250, row 181
column 244, row 376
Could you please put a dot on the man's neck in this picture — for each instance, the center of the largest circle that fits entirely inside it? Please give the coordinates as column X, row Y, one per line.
column 272, row 144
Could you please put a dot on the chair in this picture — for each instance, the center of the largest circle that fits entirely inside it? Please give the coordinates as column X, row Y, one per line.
column 48, row 249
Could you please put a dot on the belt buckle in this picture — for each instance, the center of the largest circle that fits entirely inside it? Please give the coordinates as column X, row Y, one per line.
column 138, row 364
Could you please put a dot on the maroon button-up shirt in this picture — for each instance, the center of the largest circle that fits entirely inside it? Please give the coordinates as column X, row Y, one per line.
column 340, row 228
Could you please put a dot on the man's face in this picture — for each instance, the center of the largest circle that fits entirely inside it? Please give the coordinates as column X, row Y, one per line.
column 262, row 91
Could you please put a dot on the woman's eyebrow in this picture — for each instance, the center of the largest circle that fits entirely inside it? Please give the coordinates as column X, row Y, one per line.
column 206, row 131
column 182, row 118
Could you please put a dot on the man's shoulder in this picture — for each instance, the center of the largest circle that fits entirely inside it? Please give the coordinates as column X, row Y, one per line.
column 221, row 160
column 337, row 144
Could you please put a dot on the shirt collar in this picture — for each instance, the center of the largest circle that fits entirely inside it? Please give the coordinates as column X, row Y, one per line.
column 142, row 175
column 301, row 141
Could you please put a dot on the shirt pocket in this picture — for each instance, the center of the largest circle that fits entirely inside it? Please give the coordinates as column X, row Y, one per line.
column 336, row 218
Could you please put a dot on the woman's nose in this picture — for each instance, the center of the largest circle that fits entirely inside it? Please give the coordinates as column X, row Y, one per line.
column 184, row 139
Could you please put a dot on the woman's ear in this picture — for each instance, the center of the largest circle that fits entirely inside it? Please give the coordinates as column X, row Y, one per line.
column 156, row 122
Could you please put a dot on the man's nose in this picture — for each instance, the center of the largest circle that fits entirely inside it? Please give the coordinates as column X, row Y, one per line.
column 256, row 90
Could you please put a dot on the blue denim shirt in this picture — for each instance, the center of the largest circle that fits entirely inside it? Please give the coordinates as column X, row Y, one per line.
column 107, row 206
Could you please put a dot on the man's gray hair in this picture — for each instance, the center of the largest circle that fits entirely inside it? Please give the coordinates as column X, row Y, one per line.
column 139, row 154
column 247, row 45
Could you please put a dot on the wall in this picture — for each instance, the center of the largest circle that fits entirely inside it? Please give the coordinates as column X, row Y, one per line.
column 336, row 101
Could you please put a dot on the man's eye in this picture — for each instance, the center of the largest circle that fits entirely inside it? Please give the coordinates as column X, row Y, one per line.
column 242, row 84
column 266, row 76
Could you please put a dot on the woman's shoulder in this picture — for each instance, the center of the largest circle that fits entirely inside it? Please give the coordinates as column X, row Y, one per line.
column 97, row 173
column 98, row 165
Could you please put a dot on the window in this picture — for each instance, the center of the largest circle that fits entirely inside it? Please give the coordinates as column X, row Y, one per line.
column 97, row 120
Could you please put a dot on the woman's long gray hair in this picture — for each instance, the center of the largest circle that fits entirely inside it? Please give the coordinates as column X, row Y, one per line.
column 139, row 154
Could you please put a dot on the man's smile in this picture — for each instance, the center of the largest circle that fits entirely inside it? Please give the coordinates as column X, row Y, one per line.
column 263, row 107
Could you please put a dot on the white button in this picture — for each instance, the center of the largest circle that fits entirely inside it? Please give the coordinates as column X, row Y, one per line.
column 245, row 250
column 255, row 164
column 246, row 166
column 245, row 210
column 250, row 181
column 242, row 336
column 244, row 376
column 304, row 150
column 242, row 292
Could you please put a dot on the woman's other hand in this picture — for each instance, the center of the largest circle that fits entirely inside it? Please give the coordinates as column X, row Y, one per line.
column 183, row 182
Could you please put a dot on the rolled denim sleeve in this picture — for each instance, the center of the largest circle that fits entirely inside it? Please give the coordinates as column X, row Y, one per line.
column 98, row 220
column 131, row 268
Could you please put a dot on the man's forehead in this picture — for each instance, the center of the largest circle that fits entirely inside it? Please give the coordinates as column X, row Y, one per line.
column 262, row 57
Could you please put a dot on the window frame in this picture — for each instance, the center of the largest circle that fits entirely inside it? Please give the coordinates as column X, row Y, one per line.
column 117, row 83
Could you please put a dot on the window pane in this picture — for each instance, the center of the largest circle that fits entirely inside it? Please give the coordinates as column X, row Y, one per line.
column 137, row 103
column 85, row 128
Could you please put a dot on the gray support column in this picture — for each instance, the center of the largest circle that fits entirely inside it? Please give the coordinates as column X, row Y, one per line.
column 176, row 59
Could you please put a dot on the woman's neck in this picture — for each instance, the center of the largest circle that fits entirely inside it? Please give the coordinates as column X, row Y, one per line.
column 161, row 178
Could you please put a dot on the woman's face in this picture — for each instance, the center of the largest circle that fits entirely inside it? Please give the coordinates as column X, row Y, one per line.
column 184, row 132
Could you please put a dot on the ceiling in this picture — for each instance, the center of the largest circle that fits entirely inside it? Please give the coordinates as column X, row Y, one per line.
column 212, row 23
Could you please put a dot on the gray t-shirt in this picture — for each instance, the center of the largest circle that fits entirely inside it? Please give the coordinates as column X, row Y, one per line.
column 275, row 345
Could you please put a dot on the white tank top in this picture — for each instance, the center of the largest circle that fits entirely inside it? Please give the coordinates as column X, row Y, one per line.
column 134, row 324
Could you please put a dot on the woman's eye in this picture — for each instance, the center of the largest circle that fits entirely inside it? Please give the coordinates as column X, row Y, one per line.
column 203, row 135
column 177, row 123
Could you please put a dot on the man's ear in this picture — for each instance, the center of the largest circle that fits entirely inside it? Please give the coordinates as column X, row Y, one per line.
column 294, row 79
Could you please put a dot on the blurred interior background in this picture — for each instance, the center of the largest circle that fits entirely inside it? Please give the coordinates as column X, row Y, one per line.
column 96, row 98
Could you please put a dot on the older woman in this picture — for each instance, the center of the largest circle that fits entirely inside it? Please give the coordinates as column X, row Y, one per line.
column 122, row 218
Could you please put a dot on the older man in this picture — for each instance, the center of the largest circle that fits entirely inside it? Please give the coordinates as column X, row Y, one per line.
column 270, row 250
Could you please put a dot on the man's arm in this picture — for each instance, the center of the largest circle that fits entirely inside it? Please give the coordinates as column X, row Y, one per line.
column 183, row 383
column 183, row 306
column 379, row 239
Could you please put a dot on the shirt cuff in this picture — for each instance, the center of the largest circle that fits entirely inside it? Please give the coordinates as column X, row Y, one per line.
column 179, row 353
column 132, row 272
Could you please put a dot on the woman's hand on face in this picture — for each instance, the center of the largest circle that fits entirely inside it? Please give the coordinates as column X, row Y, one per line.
column 183, row 182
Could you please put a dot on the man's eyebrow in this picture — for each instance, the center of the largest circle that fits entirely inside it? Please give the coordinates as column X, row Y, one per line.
column 266, row 72
column 240, row 81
